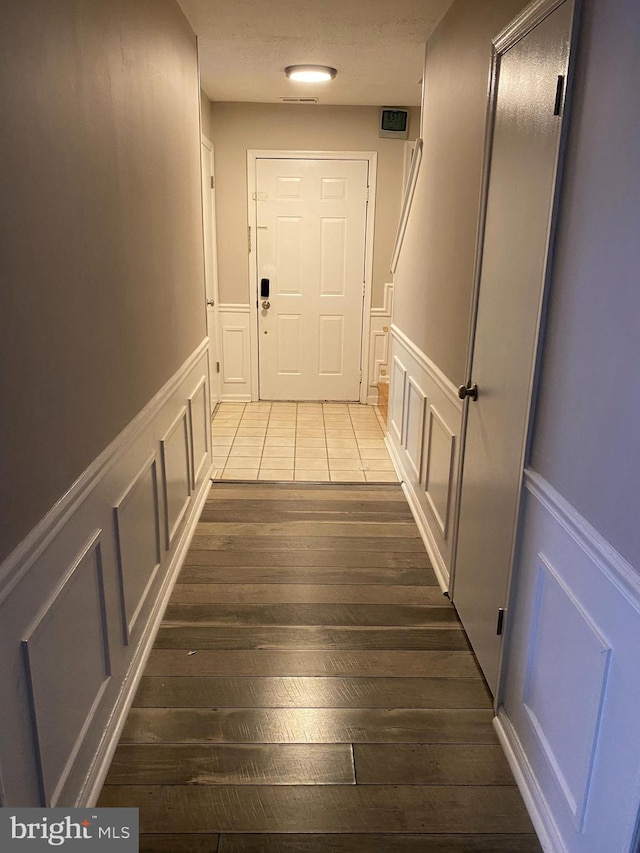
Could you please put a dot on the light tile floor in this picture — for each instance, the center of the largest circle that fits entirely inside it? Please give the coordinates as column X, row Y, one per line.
column 325, row 442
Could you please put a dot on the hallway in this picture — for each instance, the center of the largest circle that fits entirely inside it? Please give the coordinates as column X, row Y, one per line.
column 311, row 689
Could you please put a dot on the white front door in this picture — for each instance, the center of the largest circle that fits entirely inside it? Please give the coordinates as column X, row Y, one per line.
column 311, row 226
column 522, row 186
column 210, row 262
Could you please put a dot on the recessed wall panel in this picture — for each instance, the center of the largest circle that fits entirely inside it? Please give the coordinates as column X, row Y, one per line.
column 333, row 249
column 137, row 527
column 565, row 685
column 288, row 254
column 176, row 474
column 414, row 438
column 331, row 345
column 234, row 363
column 439, row 469
column 67, row 662
column 397, row 391
column 289, row 343
column 200, row 430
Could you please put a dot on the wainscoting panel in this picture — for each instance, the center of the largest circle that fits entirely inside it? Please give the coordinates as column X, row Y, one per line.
column 438, row 480
column 235, row 354
column 397, row 394
column 199, row 431
column 82, row 596
column 176, row 474
column 414, row 432
column 64, row 697
column 571, row 682
column 137, row 527
column 423, row 440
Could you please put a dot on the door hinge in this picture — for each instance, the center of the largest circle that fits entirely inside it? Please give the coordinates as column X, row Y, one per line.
column 249, row 237
column 217, row 367
column 361, row 377
column 213, row 183
column 367, row 196
column 500, row 625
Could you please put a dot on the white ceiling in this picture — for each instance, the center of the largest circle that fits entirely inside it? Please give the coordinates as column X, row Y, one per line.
column 376, row 45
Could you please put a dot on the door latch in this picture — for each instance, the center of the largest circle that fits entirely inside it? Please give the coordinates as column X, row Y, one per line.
column 469, row 390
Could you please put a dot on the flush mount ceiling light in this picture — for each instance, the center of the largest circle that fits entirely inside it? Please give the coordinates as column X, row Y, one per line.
column 310, row 73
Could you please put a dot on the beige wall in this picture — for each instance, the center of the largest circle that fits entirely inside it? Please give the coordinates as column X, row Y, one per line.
column 239, row 127
column 101, row 235
column 434, row 279
column 205, row 115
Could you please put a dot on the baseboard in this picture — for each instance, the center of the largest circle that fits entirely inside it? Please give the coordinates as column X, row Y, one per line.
column 543, row 823
column 88, row 796
column 426, row 535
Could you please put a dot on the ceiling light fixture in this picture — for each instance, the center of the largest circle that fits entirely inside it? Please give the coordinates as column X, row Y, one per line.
column 310, row 73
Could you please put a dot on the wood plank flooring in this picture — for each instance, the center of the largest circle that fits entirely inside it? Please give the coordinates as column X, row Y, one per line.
column 312, row 691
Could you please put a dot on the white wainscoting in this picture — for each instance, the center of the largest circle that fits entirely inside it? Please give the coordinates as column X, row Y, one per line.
column 235, row 352
column 570, row 695
column 379, row 336
column 425, row 416
column 81, row 597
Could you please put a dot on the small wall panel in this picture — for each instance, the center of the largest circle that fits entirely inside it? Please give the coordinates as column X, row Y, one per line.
column 414, row 432
column 233, row 349
column 67, row 670
column 137, row 527
column 331, row 343
column 176, row 474
column 568, row 659
column 289, row 344
column 333, row 256
column 397, row 390
column 439, row 469
column 199, row 426
column 288, row 237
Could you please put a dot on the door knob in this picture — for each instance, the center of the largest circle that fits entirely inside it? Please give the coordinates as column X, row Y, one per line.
column 470, row 390
column 211, row 302
column 266, row 304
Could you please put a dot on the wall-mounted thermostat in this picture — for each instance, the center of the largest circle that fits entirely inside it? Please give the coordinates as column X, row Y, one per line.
column 394, row 123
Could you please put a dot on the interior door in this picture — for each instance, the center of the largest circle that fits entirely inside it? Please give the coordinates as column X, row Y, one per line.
column 519, row 205
column 210, row 262
column 311, row 221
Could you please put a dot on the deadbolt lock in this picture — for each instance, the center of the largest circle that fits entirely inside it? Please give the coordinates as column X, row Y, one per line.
column 266, row 304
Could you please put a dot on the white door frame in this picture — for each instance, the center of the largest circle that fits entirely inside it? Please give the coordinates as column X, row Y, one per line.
column 372, row 158
column 211, row 276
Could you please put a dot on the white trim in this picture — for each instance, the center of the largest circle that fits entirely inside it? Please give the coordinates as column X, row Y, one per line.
column 90, row 791
column 387, row 302
column 533, row 14
column 25, row 554
column 445, row 384
column 407, row 201
column 372, row 159
column 542, row 819
column 438, row 565
column 612, row 565
column 234, row 308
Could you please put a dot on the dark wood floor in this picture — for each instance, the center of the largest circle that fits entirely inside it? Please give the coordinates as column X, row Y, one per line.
column 311, row 689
